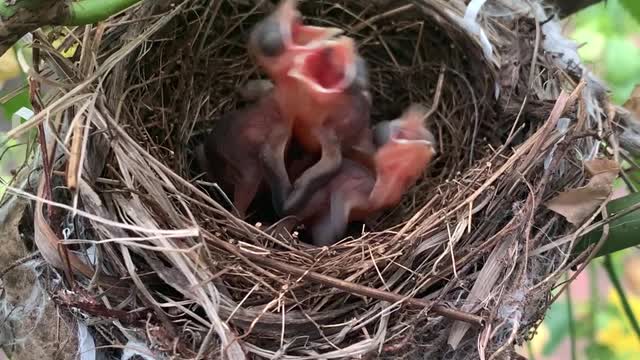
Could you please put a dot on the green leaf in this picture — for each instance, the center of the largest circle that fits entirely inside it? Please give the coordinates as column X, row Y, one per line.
column 622, row 60
column 594, row 43
column 632, row 7
column 623, row 231
column 597, row 351
column 557, row 320
column 20, row 100
column 621, row 92
column 628, row 311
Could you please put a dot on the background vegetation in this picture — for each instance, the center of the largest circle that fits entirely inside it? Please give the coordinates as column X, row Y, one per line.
column 591, row 322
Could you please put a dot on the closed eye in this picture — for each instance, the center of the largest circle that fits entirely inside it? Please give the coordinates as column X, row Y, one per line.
column 401, row 135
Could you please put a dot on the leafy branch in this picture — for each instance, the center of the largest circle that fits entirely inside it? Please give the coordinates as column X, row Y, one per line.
column 19, row 17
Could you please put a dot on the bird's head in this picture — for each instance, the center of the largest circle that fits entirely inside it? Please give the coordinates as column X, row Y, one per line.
column 281, row 36
column 405, row 150
column 331, row 71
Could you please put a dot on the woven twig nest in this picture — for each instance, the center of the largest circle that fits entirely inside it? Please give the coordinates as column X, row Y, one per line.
column 456, row 270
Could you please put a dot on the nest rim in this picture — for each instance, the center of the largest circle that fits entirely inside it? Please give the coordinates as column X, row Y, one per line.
column 376, row 256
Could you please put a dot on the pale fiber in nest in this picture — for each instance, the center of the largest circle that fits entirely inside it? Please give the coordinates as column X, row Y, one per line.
column 152, row 80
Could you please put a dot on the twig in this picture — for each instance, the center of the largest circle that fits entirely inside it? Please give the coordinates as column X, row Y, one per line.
column 36, row 104
column 46, row 166
column 87, row 303
column 97, row 180
column 19, row 262
column 594, row 250
column 73, row 164
column 47, row 161
column 361, row 290
column 371, row 20
column 437, row 94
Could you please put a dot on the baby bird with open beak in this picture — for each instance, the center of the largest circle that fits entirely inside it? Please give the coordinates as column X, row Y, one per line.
column 274, row 44
column 275, row 41
column 319, row 93
column 331, row 111
column 358, row 192
column 406, row 148
column 245, row 145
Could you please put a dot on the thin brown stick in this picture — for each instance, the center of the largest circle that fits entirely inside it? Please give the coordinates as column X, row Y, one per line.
column 97, row 180
column 19, row 262
column 437, row 95
column 36, row 104
column 592, row 254
column 74, row 156
column 373, row 19
column 361, row 290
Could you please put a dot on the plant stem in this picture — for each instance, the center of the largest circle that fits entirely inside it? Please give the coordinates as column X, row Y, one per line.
column 19, row 17
column 608, row 265
column 92, row 11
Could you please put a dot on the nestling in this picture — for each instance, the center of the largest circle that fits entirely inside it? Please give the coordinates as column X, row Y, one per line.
column 358, row 192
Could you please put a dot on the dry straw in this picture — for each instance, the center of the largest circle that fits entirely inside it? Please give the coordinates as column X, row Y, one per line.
column 452, row 272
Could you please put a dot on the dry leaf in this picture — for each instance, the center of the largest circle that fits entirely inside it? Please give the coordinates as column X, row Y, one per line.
column 578, row 204
column 633, row 103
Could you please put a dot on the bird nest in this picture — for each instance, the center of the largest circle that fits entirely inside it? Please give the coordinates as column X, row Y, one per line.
column 461, row 267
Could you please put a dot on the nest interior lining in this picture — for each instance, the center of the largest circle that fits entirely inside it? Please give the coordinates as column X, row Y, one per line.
column 466, row 216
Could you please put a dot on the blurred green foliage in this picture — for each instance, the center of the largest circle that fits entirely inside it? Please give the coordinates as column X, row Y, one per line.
column 633, row 7
column 610, row 39
column 605, row 328
column 14, row 97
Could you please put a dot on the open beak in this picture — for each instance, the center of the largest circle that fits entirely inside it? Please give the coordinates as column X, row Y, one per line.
column 405, row 149
column 408, row 129
column 307, row 37
column 327, row 70
column 276, row 40
column 297, row 35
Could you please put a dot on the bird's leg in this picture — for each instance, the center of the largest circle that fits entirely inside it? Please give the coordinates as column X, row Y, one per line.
column 272, row 157
column 317, row 175
column 245, row 191
column 333, row 224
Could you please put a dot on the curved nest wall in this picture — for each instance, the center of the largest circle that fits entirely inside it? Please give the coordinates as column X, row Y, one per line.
column 456, row 269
